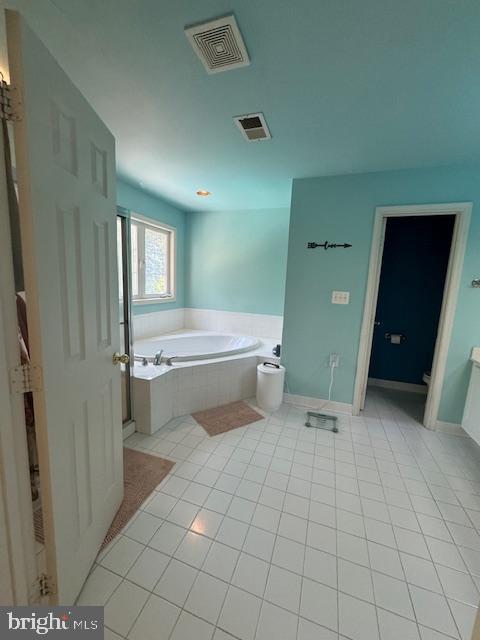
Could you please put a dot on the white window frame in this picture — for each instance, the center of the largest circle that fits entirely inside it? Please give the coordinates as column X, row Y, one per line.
column 171, row 232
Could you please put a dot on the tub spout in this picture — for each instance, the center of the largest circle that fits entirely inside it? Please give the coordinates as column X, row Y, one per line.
column 157, row 358
column 170, row 360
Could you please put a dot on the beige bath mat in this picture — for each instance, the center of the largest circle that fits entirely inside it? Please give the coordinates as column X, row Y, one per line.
column 227, row 417
column 142, row 472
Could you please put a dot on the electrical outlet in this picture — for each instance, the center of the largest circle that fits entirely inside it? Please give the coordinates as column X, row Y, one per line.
column 340, row 297
column 334, row 360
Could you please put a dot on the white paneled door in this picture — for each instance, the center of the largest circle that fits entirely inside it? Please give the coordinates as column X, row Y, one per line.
column 66, row 178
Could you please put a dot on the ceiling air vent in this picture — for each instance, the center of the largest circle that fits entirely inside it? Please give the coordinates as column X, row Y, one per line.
column 253, row 126
column 219, row 44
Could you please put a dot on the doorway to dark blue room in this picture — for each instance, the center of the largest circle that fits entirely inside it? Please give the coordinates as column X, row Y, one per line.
column 412, row 280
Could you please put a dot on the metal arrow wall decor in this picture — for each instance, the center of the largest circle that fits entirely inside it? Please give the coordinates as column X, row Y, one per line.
column 328, row 245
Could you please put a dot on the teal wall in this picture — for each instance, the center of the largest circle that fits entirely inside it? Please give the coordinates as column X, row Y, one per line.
column 341, row 209
column 139, row 201
column 236, row 260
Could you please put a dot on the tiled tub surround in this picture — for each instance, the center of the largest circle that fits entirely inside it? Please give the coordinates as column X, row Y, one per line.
column 161, row 393
column 251, row 324
column 278, row 531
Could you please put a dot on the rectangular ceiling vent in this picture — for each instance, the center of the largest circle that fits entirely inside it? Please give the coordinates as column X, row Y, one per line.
column 253, row 126
column 219, row 44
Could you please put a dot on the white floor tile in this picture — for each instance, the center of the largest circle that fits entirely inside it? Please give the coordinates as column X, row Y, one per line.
column 218, row 501
column 266, row 518
column 276, row 623
column 308, row 630
column 259, row 543
column 292, row 527
column 393, row 595
column 167, row 538
column 464, row 616
column 458, row 586
column 411, row 542
column 393, row 627
column 351, row 523
column 189, row 627
column 251, row 574
column 296, row 505
column 207, row 523
column 183, row 514
column 289, row 554
column 148, row 568
column 319, row 604
column 357, row 619
column 176, row 582
column 355, row 580
column 283, row 588
column 232, row 532
column 160, row 505
column 206, row 597
column 221, row 561
column 385, row 560
column 240, row 614
column 321, row 537
column 420, row 572
column 99, row 586
column 193, row 549
column 271, row 497
column 122, row 555
column 431, row 610
column 321, row 567
column 156, row 620
column 470, row 558
column 122, row 609
column 352, row 548
column 430, row 634
column 143, row 527
column 196, row 493
column 434, row 527
column 380, row 532
column 241, row 509
column 323, row 514
column 381, row 499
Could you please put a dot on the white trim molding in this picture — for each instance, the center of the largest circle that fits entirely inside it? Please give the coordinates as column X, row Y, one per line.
column 317, row 403
column 452, row 428
column 462, row 212
column 399, row 386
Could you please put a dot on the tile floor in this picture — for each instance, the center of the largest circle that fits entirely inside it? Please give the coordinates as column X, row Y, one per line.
column 279, row 531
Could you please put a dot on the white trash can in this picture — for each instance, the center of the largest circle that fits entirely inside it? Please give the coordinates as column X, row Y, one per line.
column 270, row 380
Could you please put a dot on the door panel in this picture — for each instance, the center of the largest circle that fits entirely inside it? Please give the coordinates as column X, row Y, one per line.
column 66, row 176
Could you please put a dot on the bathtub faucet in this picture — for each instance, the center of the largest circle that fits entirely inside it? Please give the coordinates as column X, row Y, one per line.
column 170, row 360
column 157, row 358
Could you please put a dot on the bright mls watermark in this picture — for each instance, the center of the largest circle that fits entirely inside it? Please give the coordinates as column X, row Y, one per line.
column 62, row 622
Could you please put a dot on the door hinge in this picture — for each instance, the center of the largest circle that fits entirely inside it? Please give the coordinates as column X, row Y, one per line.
column 8, row 103
column 46, row 586
column 25, row 378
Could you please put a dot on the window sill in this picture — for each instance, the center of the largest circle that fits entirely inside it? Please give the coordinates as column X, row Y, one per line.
column 141, row 301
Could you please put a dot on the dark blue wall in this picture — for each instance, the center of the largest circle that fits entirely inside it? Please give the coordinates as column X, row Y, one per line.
column 410, row 295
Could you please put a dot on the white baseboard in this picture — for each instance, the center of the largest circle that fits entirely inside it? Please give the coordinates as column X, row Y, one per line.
column 451, row 428
column 128, row 429
column 318, row 403
column 399, row 386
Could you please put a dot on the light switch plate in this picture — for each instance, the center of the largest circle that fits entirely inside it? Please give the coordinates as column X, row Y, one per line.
column 340, row 297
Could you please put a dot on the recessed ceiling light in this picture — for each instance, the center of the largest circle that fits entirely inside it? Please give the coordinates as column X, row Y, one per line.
column 203, row 193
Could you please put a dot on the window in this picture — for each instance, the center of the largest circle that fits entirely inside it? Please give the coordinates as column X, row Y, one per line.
column 153, row 260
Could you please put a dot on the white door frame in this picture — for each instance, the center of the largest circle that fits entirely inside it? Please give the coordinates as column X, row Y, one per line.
column 462, row 212
column 17, row 523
